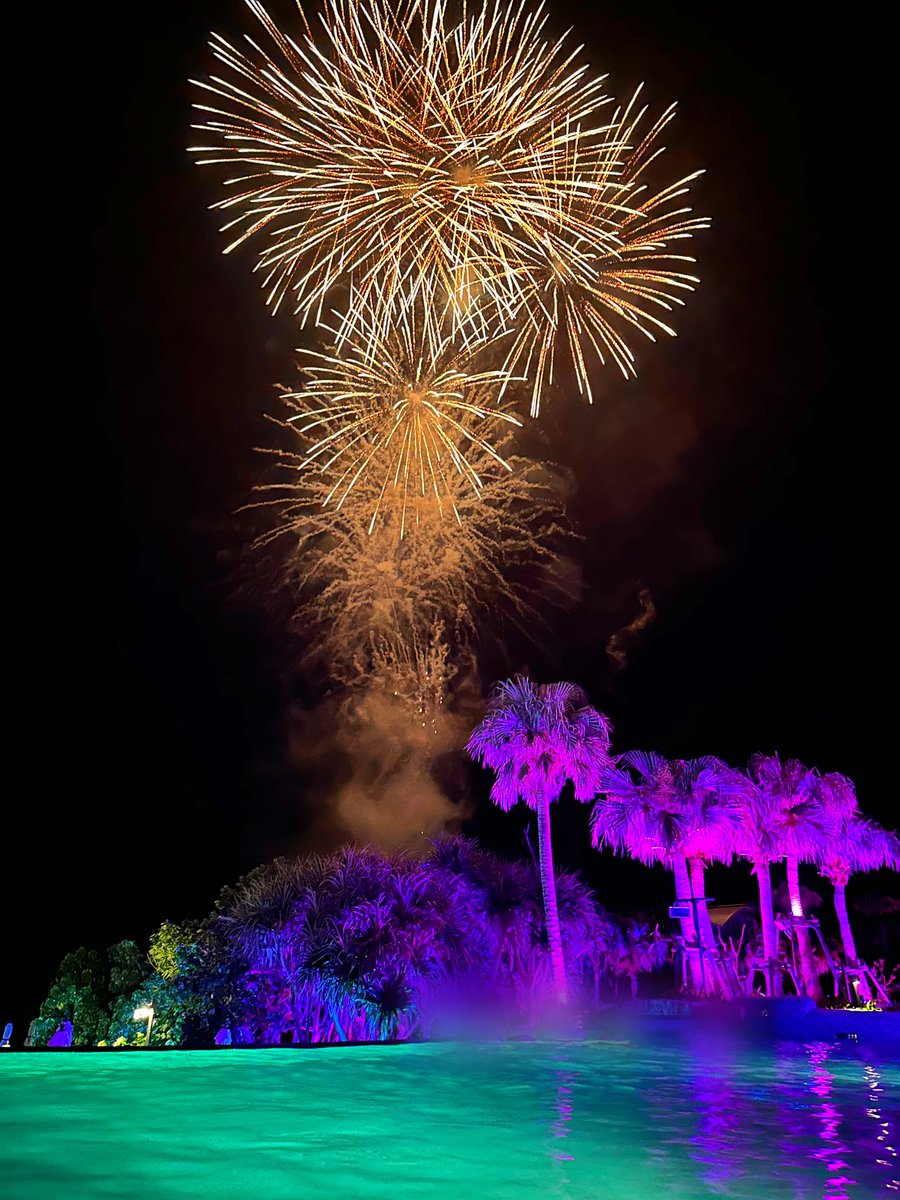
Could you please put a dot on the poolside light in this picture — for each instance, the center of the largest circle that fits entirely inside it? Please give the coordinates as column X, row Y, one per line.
column 146, row 1012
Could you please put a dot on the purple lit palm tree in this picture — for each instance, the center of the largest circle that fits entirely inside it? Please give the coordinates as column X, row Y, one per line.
column 853, row 844
column 670, row 812
column 639, row 813
column 757, row 841
column 536, row 738
column 278, row 918
column 790, row 795
column 708, row 789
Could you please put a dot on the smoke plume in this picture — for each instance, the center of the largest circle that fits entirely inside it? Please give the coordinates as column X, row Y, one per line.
column 618, row 644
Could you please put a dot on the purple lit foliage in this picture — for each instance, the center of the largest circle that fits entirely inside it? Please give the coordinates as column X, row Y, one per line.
column 357, row 946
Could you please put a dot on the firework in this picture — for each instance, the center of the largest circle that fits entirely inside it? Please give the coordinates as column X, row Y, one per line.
column 471, row 168
column 585, row 291
column 402, row 151
column 400, row 410
column 369, row 593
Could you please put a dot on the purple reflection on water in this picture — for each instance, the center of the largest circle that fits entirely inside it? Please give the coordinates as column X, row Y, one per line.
column 825, row 1109
column 565, row 1081
column 813, row 1119
column 833, row 1152
column 715, row 1144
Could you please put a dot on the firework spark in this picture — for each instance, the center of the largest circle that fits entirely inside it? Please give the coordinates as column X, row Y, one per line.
column 402, row 408
column 618, row 273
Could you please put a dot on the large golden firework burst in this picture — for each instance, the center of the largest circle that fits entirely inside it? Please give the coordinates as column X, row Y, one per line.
column 402, row 149
column 467, row 165
column 403, row 408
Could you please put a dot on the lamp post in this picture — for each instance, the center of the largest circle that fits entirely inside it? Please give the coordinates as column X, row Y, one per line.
column 146, row 1013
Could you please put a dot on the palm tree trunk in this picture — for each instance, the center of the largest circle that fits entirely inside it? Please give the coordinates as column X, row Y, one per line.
column 774, row 979
column 713, row 958
column 688, row 931
column 811, row 984
column 840, row 907
column 548, row 890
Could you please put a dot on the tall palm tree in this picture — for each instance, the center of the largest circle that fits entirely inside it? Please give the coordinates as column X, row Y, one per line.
column 756, row 840
column 800, row 824
column 536, row 738
column 853, row 844
column 671, row 813
column 707, row 789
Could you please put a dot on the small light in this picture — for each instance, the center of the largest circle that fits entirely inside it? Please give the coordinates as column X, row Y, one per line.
column 796, row 908
column 146, row 1012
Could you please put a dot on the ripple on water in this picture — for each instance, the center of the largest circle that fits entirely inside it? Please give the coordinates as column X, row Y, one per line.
column 683, row 1119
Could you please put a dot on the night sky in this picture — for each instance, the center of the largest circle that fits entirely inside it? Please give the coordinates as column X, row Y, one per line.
column 743, row 478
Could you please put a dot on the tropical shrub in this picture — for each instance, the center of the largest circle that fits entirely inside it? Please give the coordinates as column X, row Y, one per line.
column 79, row 994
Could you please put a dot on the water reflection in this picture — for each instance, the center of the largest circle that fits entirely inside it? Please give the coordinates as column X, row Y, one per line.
column 679, row 1117
column 561, row 1128
column 814, row 1115
column 887, row 1155
column 717, row 1146
column 833, row 1152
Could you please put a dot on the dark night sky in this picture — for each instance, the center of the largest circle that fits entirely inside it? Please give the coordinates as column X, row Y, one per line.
column 742, row 478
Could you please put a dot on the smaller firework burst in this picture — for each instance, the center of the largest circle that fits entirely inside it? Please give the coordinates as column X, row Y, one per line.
column 403, row 406
column 366, row 591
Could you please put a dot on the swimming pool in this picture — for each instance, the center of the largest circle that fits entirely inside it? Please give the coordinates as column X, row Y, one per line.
column 682, row 1118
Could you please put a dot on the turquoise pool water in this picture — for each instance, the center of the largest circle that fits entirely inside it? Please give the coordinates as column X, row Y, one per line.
column 586, row 1120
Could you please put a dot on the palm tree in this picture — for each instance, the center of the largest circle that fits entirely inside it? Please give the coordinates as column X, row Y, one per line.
column 707, row 788
column 853, row 844
column 800, row 825
column 536, row 738
column 664, row 812
column 639, row 813
column 756, row 839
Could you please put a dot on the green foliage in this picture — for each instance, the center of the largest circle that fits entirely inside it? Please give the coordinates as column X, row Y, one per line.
column 78, row 994
column 351, row 946
column 172, row 948
column 127, row 968
column 194, row 988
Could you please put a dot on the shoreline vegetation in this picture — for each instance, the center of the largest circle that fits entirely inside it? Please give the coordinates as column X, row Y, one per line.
column 364, row 948
column 361, row 946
